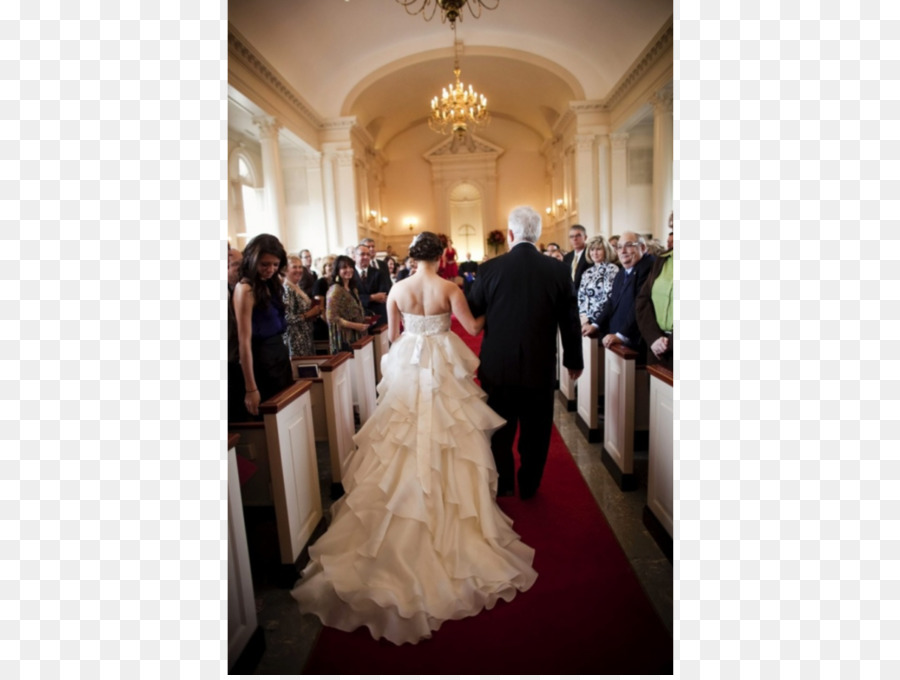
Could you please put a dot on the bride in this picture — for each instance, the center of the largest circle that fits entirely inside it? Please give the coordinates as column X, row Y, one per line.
column 418, row 538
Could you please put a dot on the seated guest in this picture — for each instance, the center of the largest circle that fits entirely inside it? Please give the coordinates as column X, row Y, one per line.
column 653, row 308
column 408, row 269
column 299, row 312
column 343, row 310
column 372, row 283
column 596, row 283
column 320, row 290
column 616, row 323
column 392, row 268
column 259, row 308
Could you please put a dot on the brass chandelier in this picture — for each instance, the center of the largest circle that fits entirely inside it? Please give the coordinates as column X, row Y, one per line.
column 451, row 10
column 457, row 107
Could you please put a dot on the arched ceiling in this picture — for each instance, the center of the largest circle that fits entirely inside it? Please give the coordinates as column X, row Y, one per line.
column 370, row 59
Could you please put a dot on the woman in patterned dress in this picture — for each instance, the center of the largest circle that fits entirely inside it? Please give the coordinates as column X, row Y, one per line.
column 299, row 312
column 596, row 282
column 343, row 310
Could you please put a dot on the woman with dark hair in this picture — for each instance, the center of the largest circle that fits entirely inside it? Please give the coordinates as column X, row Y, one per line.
column 418, row 539
column 259, row 308
column 343, row 310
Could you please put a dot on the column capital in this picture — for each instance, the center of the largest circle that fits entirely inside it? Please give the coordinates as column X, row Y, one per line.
column 662, row 101
column 344, row 157
column 619, row 140
column 585, row 142
column 268, row 126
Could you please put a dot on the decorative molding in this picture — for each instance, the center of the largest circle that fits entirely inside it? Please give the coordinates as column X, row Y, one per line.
column 662, row 101
column 619, row 140
column 471, row 145
column 239, row 48
column 585, row 142
column 344, row 157
column 642, row 64
column 268, row 126
column 587, row 106
column 342, row 123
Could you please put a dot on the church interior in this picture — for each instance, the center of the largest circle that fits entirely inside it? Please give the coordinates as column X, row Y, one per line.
column 337, row 133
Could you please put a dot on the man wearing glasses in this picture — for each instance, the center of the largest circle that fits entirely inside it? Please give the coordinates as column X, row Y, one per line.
column 616, row 323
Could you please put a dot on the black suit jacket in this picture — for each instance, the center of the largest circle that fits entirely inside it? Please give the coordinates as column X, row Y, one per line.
column 582, row 267
column 468, row 266
column 376, row 282
column 526, row 297
column 619, row 314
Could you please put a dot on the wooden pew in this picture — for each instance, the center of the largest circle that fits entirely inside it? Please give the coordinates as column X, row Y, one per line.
column 382, row 345
column 332, row 406
column 590, row 390
column 246, row 640
column 284, row 451
column 566, row 392
column 625, row 411
column 363, row 371
column 660, row 495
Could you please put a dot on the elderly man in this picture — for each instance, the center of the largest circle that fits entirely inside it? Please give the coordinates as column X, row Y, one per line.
column 525, row 298
column 576, row 259
column 617, row 323
column 373, row 261
column 373, row 284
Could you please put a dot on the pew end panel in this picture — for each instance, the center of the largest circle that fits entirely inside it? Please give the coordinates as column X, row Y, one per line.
column 336, row 397
column 590, row 390
column 660, row 487
column 364, row 376
column 618, row 415
column 294, row 470
column 245, row 639
column 566, row 393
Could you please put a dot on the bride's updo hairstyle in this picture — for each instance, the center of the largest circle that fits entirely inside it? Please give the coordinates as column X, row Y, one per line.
column 426, row 247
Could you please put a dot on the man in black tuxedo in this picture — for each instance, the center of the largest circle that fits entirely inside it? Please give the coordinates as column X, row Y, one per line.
column 373, row 285
column 576, row 259
column 526, row 297
column 618, row 323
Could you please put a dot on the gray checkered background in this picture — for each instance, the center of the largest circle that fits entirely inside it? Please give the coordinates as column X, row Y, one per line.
column 113, row 222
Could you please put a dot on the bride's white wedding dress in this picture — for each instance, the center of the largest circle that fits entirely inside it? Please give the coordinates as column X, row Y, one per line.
column 418, row 538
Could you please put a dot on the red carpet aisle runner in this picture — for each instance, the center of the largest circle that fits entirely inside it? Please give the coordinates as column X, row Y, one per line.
column 586, row 613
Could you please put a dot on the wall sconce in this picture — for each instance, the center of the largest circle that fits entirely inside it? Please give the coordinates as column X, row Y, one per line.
column 560, row 206
column 384, row 220
column 411, row 222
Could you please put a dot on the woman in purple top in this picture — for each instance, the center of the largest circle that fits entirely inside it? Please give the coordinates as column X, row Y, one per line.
column 259, row 308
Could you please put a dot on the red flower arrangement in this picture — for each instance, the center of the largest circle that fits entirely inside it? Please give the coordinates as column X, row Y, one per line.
column 496, row 238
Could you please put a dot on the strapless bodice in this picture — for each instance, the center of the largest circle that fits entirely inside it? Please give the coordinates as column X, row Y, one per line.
column 417, row 324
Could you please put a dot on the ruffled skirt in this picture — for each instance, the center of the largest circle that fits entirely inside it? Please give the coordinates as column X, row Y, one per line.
column 418, row 538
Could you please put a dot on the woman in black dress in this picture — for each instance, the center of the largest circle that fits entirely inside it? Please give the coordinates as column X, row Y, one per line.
column 259, row 307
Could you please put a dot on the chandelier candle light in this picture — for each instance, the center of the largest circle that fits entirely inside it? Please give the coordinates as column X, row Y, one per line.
column 451, row 10
column 457, row 107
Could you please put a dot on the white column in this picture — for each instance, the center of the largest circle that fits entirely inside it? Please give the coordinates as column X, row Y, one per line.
column 662, row 162
column 585, row 183
column 345, row 198
column 273, row 181
column 603, row 180
column 619, row 182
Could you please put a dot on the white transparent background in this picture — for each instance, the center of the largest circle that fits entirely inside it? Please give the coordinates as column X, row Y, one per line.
column 112, row 332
